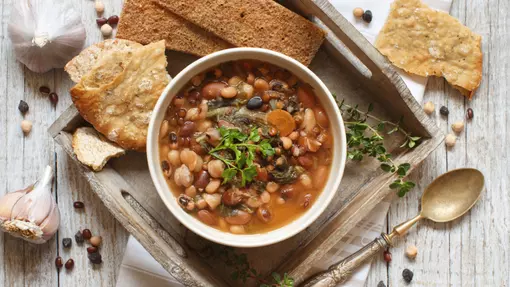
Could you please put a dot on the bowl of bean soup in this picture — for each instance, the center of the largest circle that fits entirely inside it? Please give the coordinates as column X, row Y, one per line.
column 246, row 147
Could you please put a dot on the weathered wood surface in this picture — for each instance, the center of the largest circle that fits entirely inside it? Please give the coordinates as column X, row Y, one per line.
column 473, row 251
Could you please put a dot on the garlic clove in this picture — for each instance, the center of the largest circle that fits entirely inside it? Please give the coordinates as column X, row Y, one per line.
column 50, row 225
column 31, row 214
column 7, row 202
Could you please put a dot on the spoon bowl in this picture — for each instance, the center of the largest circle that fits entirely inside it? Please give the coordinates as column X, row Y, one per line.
column 452, row 194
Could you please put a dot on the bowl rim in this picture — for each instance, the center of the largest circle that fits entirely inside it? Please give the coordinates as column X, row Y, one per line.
column 210, row 233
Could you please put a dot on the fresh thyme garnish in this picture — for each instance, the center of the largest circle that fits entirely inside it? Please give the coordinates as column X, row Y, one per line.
column 366, row 139
column 243, row 148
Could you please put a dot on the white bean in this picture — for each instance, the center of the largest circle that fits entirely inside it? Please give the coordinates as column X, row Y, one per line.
column 237, row 229
column 272, row 186
column 174, row 157
column 215, row 168
column 213, row 186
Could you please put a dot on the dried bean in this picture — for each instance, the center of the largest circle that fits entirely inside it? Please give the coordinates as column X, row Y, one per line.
column 78, row 237
column 67, row 242
column 23, row 107
column 69, row 264
column 86, row 234
column 78, row 204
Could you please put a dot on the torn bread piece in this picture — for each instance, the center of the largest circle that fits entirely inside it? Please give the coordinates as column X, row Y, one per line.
column 427, row 42
column 86, row 60
column 93, row 149
column 117, row 96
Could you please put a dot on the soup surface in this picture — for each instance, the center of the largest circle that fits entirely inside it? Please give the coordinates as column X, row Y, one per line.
column 246, row 147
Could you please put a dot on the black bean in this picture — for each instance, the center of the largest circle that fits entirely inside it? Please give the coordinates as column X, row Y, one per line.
column 470, row 114
column 78, row 204
column 86, row 234
column 444, row 111
column 78, row 237
column 408, row 275
column 95, row 257
column 69, row 264
column 67, row 242
column 23, row 107
column 381, row 284
column 44, row 90
column 53, row 98
column 367, row 16
column 254, row 103
column 58, row 262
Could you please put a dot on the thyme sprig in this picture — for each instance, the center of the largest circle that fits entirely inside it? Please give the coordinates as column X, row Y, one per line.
column 365, row 139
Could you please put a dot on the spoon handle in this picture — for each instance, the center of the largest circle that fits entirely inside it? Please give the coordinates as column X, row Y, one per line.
column 339, row 272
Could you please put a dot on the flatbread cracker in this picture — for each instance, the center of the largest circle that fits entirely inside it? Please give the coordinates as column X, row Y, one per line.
column 427, row 42
column 254, row 23
column 145, row 22
column 121, row 108
column 93, row 149
column 83, row 62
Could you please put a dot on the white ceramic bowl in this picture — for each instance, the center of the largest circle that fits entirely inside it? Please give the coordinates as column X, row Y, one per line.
column 336, row 126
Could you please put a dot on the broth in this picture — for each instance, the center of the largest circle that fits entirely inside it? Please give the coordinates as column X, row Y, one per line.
column 246, row 147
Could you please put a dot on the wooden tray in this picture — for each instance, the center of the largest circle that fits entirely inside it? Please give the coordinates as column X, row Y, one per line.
column 353, row 70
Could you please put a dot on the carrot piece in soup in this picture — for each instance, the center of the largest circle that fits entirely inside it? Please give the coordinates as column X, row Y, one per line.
column 282, row 121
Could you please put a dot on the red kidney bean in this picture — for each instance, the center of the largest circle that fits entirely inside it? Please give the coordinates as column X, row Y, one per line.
column 238, row 217
column 202, row 179
column 187, row 129
column 207, row 217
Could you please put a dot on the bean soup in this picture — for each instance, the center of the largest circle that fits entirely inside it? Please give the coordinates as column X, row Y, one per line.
column 246, row 147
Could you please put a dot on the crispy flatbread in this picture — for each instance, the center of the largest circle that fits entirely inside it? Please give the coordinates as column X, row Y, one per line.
column 93, row 149
column 83, row 62
column 427, row 42
column 120, row 106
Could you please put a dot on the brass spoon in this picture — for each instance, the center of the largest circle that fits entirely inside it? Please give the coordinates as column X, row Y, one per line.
column 448, row 197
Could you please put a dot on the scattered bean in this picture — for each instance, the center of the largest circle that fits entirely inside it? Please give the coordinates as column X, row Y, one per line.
column 411, row 251
column 408, row 275
column 53, row 98
column 99, row 6
column 367, row 16
column 86, row 234
column 387, row 256
column 91, row 249
column 469, row 114
column 458, row 127
column 106, row 30
column 78, row 204
column 381, row 284
column 444, row 111
column 96, row 240
column 67, row 242
column 78, row 237
column 58, row 262
column 95, row 258
column 358, row 12
column 44, row 90
column 101, row 21
column 450, row 140
column 69, row 264
column 113, row 20
column 428, row 108
column 26, row 126
column 23, row 107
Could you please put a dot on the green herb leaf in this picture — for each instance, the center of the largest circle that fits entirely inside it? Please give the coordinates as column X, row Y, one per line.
column 228, row 174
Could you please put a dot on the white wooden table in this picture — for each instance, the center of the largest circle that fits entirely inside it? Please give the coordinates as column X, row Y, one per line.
column 472, row 251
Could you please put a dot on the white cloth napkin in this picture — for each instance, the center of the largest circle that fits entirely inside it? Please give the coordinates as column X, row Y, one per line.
column 140, row 269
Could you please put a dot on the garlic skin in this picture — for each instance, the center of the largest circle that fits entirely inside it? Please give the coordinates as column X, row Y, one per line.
column 31, row 214
column 45, row 34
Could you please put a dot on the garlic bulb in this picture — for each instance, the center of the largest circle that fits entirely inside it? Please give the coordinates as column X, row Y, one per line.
column 32, row 213
column 45, row 34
